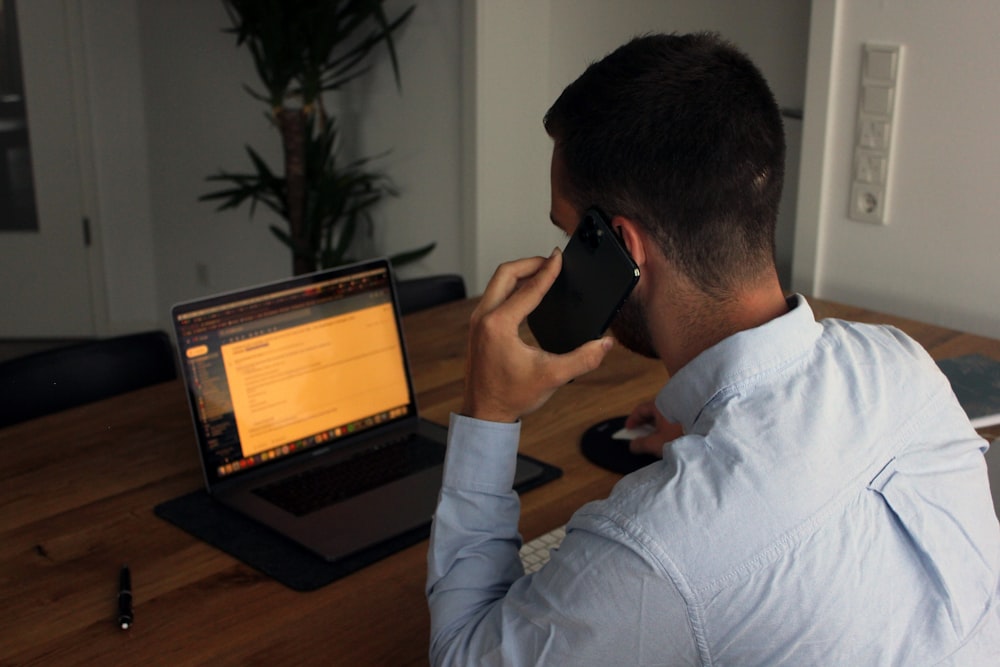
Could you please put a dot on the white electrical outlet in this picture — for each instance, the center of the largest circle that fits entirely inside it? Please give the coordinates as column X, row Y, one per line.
column 201, row 274
column 878, row 99
column 868, row 202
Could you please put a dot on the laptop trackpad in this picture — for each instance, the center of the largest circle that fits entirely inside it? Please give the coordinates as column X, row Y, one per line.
column 372, row 517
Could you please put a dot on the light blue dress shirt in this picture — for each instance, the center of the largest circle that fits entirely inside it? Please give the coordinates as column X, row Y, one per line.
column 828, row 505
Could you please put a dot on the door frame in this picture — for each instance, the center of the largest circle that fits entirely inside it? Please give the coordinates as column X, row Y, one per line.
column 69, row 230
column 88, row 171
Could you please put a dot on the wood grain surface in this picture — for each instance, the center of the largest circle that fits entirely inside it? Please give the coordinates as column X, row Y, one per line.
column 77, row 491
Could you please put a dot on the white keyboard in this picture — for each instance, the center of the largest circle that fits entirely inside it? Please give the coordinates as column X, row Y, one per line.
column 535, row 554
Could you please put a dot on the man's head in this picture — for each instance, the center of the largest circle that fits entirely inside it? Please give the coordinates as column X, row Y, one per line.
column 681, row 135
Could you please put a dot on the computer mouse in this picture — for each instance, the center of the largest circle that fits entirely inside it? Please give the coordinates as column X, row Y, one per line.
column 600, row 446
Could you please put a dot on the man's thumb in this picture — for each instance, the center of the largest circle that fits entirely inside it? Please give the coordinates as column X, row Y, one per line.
column 589, row 356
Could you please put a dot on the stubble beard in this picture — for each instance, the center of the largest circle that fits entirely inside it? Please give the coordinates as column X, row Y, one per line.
column 631, row 329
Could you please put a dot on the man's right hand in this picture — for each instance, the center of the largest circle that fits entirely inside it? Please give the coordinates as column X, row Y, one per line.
column 664, row 431
column 506, row 378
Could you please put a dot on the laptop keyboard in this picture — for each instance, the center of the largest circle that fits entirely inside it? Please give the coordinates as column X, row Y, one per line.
column 320, row 487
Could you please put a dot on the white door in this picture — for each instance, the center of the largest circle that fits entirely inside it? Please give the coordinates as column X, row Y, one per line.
column 46, row 274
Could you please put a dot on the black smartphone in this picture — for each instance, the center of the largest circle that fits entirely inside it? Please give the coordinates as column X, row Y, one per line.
column 597, row 276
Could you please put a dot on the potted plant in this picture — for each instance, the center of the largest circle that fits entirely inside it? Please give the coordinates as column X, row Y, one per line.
column 301, row 50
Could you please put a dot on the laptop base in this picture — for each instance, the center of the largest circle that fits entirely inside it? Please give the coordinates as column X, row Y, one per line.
column 276, row 556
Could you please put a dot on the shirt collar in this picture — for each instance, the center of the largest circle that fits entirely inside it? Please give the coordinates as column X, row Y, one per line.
column 737, row 358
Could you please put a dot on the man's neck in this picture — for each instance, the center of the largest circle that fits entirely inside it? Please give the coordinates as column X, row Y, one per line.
column 694, row 322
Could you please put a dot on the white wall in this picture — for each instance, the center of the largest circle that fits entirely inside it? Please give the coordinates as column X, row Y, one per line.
column 467, row 151
column 506, row 152
column 937, row 258
column 470, row 157
column 527, row 51
column 199, row 119
column 420, row 126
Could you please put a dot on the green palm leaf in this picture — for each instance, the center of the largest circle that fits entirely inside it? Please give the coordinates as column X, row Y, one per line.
column 300, row 49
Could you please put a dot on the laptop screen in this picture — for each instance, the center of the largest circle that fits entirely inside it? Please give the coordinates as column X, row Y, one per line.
column 276, row 370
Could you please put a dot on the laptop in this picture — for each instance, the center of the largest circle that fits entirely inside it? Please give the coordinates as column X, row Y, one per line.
column 304, row 410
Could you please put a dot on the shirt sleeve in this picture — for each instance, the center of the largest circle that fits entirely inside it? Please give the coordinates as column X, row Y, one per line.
column 599, row 601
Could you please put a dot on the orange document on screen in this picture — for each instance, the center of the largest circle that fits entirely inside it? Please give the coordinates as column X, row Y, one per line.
column 303, row 380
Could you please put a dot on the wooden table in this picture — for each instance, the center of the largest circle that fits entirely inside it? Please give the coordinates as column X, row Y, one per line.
column 77, row 491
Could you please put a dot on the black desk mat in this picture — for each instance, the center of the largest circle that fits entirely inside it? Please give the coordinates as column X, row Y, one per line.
column 275, row 555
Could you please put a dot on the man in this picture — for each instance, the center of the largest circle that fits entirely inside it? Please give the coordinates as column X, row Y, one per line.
column 822, row 498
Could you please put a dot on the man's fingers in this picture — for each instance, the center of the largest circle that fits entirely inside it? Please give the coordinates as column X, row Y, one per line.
column 647, row 444
column 530, row 291
column 665, row 432
column 644, row 413
column 506, row 279
column 505, row 377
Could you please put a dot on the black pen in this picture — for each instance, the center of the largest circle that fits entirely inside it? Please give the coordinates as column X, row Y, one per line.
column 125, row 598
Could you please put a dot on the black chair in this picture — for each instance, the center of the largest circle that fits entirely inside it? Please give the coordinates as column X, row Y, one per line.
column 420, row 293
column 65, row 377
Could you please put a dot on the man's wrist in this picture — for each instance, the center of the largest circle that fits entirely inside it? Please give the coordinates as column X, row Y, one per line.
column 487, row 413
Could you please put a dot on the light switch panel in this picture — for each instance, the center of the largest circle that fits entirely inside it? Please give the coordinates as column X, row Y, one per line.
column 878, row 102
column 880, row 64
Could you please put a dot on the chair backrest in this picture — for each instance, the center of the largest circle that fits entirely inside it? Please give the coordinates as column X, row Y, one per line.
column 419, row 293
column 65, row 377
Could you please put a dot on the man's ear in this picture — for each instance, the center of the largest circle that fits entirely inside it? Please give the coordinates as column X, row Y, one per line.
column 634, row 238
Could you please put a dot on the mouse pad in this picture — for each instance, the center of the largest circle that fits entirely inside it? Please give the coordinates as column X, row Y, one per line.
column 598, row 447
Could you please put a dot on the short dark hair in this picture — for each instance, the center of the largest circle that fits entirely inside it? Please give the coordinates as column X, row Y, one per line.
column 682, row 134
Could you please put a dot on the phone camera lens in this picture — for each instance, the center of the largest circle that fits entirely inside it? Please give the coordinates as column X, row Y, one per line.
column 592, row 236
